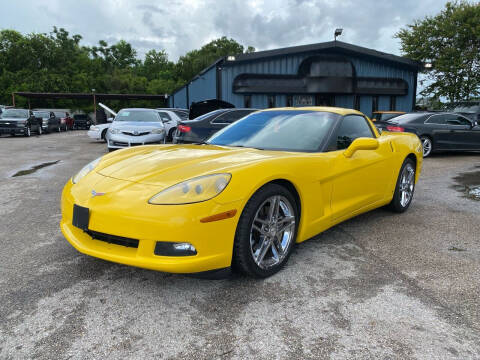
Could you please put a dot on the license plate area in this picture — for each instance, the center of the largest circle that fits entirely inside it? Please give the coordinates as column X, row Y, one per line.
column 81, row 217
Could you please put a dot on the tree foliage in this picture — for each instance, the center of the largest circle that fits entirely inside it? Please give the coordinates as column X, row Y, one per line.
column 450, row 41
column 57, row 62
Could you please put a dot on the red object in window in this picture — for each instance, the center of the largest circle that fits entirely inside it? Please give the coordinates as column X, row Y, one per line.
column 395, row 128
column 184, row 128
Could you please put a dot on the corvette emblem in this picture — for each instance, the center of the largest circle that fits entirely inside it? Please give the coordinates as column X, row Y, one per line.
column 94, row 193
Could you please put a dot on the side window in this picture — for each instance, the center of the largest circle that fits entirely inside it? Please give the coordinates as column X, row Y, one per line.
column 351, row 128
column 164, row 116
column 457, row 120
column 436, row 119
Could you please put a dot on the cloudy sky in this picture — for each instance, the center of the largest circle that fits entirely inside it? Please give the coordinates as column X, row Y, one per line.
column 182, row 25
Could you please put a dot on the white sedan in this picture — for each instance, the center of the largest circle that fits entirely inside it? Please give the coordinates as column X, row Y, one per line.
column 99, row 131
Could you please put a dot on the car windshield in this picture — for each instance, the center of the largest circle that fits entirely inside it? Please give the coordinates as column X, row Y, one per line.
column 41, row 114
column 278, row 130
column 406, row 118
column 15, row 113
column 472, row 109
column 136, row 115
column 60, row 114
column 209, row 114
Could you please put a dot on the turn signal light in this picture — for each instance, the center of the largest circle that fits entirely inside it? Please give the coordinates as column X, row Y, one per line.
column 184, row 128
column 395, row 128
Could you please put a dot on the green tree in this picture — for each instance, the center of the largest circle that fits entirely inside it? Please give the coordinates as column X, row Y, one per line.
column 450, row 41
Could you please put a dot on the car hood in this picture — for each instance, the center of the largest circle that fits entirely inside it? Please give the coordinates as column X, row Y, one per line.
column 166, row 165
column 13, row 119
column 136, row 125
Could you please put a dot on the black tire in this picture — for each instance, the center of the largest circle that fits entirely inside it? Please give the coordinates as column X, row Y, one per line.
column 427, row 142
column 28, row 131
column 397, row 205
column 242, row 259
column 170, row 134
column 111, row 149
column 104, row 132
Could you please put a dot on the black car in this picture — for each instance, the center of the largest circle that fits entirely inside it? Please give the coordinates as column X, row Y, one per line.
column 19, row 122
column 48, row 119
column 204, row 126
column 437, row 131
column 81, row 121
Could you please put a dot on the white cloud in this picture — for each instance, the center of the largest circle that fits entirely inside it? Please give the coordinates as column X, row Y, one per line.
column 182, row 25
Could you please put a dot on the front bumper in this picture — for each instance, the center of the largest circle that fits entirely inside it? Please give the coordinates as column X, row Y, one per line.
column 13, row 130
column 120, row 141
column 94, row 134
column 123, row 212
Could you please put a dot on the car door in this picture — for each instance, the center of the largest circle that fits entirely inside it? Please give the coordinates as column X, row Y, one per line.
column 364, row 178
column 167, row 120
column 458, row 131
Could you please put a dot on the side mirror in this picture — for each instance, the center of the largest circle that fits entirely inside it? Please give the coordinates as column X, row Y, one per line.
column 361, row 144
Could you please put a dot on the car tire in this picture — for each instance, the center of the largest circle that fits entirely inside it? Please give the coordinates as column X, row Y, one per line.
column 170, row 134
column 104, row 132
column 270, row 213
column 39, row 131
column 404, row 188
column 427, row 145
column 111, row 149
column 28, row 132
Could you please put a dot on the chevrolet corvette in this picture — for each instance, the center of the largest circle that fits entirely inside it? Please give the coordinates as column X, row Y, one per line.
column 243, row 198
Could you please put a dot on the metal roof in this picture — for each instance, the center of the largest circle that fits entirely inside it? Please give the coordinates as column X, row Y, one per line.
column 337, row 45
column 98, row 96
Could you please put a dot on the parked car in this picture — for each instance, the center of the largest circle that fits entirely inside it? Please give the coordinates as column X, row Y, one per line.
column 66, row 122
column 385, row 115
column 81, row 121
column 182, row 113
column 170, row 120
column 273, row 179
column 99, row 131
column 470, row 109
column 48, row 119
column 136, row 126
column 19, row 122
column 437, row 131
column 201, row 128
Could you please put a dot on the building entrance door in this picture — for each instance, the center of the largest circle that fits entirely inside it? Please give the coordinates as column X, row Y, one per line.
column 324, row 100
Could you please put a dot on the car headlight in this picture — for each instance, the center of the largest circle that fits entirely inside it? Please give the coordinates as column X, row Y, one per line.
column 192, row 191
column 94, row 128
column 114, row 131
column 85, row 170
column 157, row 131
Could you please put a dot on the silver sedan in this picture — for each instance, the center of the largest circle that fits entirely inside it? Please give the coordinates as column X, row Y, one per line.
column 133, row 127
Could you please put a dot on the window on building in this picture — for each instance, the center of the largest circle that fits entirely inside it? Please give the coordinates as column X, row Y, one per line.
column 289, row 102
column 247, row 101
column 351, row 128
column 374, row 103
column 356, row 102
column 271, row 100
column 393, row 103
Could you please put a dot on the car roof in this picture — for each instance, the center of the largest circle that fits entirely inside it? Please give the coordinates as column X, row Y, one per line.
column 331, row 109
column 138, row 109
column 389, row 112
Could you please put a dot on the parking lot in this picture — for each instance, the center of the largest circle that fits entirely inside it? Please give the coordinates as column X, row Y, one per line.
column 378, row 286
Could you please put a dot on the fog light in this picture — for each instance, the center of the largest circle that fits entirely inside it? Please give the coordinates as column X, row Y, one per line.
column 163, row 248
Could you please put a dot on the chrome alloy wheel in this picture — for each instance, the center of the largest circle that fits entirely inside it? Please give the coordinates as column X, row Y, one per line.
column 272, row 231
column 427, row 146
column 407, row 184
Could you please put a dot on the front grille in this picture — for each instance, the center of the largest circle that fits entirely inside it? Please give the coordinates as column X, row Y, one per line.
column 136, row 144
column 136, row 134
column 113, row 239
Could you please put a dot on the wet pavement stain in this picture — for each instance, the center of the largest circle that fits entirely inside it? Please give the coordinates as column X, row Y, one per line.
column 469, row 184
column 34, row 168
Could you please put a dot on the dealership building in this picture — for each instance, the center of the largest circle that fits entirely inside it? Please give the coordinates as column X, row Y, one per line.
column 326, row 74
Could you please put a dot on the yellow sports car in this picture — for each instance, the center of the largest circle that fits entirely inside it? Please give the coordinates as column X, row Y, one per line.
column 243, row 198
